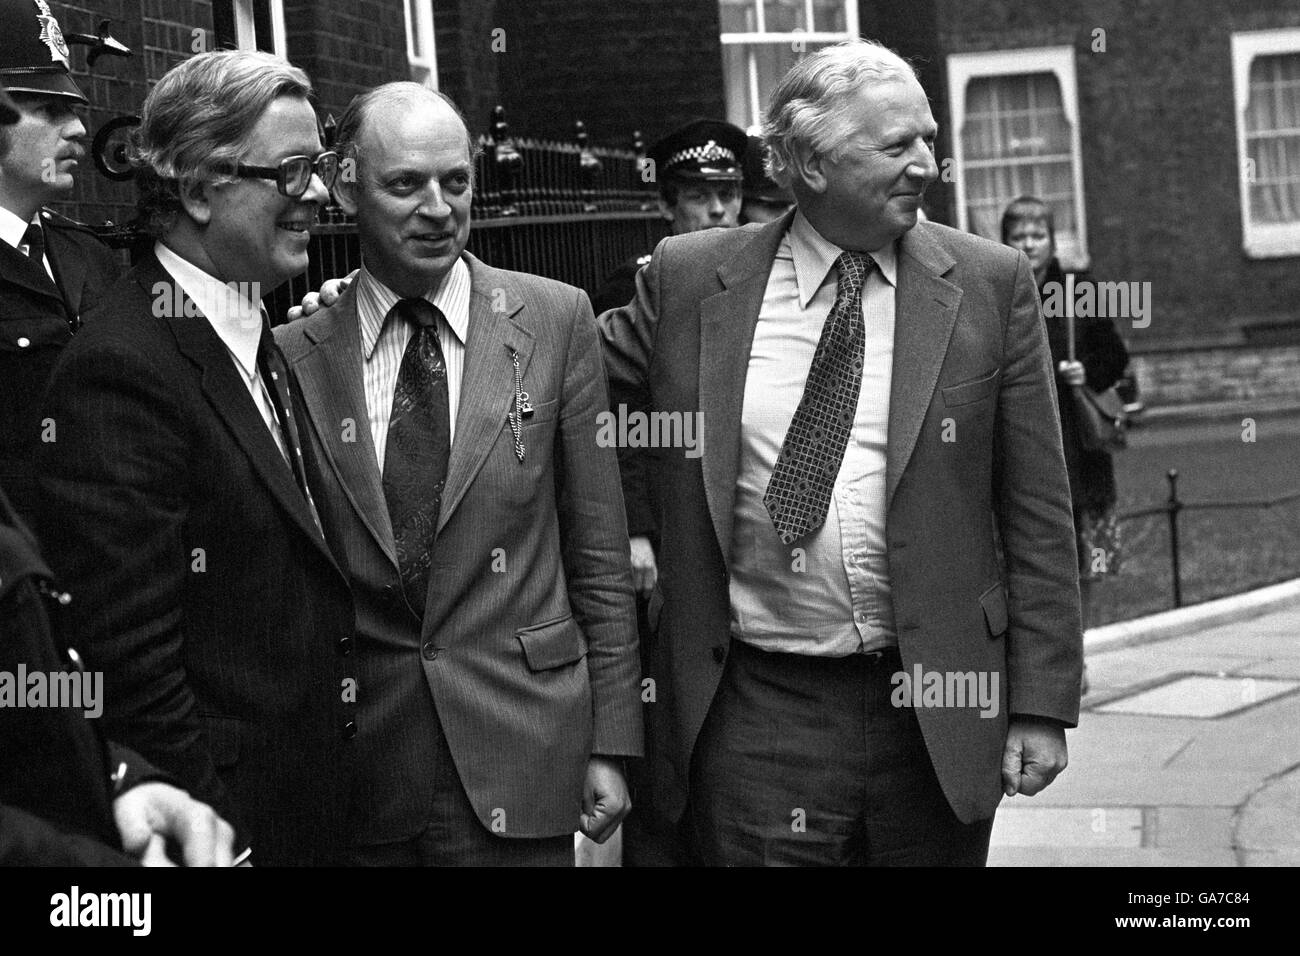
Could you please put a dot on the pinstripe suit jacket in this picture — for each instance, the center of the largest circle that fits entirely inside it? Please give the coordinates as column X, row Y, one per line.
column 201, row 585
column 527, row 644
column 978, row 529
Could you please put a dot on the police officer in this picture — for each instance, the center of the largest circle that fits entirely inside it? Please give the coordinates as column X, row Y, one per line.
column 698, row 169
column 52, row 269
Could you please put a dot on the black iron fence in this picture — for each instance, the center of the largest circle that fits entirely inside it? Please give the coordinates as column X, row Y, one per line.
column 1172, row 509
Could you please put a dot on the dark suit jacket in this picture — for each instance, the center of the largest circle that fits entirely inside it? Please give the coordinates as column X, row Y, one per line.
column 203, row 587
column 56, row 790
column 969, row 346
column 527, row 646
column 37, row 319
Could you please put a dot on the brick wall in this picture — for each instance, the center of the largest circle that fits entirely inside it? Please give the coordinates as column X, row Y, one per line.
column 1159, row 148
column 346, row 46
column 619, row 67
column 1219, row 375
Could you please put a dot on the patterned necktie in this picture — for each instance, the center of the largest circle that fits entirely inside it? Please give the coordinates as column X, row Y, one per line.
column 275, row 375
column 799, row 491
column 419, row 445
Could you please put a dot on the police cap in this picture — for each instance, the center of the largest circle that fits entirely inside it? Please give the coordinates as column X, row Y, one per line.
column 34, row 56
column 702, row 149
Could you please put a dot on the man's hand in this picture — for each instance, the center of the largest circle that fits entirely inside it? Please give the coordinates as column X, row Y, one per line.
column 1034, row 755
column 644, row 570
column 605, row 801
column 148, row 814
column 329, row 294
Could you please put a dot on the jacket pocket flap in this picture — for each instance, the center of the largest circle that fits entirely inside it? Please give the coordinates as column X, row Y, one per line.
column 553, row 644
column 964, row 393
column 223, row 738
column 994, row 602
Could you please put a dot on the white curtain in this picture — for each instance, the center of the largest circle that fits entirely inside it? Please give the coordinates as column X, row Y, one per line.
column 1273, row 138
column 1016, row 141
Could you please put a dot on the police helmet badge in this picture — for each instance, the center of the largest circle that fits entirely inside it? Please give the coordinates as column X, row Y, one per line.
column 51, row 35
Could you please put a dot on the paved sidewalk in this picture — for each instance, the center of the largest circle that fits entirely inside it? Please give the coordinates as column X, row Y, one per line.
column 1187, row 754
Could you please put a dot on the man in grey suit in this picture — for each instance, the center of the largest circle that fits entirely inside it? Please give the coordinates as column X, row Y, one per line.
column 453, row 408
column 870, row 614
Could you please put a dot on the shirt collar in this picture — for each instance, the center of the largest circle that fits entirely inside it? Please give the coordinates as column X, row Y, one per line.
column 814, row 257
column 451, row 297
column 236, row 317
column 12, row 228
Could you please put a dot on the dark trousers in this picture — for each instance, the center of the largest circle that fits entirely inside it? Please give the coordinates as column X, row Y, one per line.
column 803, row 761
column 455, row 836
column 649, row 838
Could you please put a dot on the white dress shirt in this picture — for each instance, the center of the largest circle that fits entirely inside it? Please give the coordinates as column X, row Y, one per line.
column 828, row 593
column 235, row 314
column 384, row 342
column 12, row 230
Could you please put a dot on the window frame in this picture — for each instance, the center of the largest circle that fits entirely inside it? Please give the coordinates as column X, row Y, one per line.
column 1258, row 240
column 246, row 26
column 761, row 37
column 426, row 37
column 1058, row 60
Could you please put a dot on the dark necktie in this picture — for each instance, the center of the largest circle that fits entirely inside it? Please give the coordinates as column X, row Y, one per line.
column 34, row 239
column 419, row 445
column 275, row 375
column 799, row 491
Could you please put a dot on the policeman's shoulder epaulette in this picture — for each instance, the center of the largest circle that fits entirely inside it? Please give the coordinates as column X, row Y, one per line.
column 51, row 217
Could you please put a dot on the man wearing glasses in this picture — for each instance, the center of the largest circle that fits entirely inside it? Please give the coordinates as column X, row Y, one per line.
column 175, row 501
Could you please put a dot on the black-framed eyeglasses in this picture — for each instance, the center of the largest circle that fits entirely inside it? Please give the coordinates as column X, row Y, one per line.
column 293, row 173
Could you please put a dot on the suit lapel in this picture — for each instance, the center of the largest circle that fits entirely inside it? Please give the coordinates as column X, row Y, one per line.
column 22, row 271
column 487, row 386
column 229, row 398
column 926, row 311
column 727, row 323
column 331, row 379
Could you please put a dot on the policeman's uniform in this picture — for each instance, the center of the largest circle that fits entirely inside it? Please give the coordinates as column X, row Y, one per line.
column 53, row 270
column 701, row 151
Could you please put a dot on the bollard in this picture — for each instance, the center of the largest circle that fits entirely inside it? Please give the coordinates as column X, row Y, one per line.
column 1172, row 507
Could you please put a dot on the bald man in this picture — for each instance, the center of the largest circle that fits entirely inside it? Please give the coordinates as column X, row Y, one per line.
column 453, row 408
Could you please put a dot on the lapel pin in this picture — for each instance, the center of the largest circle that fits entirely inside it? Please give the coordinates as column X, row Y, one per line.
column 523, row 409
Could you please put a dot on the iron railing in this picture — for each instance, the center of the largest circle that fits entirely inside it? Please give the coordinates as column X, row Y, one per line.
column 1175, row 506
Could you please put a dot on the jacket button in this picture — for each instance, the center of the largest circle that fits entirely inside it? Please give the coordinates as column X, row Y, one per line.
column 430, row 651
column 719, row 653
column 349, row 730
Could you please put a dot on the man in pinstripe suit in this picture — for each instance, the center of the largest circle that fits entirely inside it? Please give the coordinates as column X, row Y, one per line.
column 453, row 410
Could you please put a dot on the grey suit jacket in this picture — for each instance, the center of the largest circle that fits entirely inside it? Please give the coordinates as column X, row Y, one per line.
column 527, row 645
column 969, row 349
